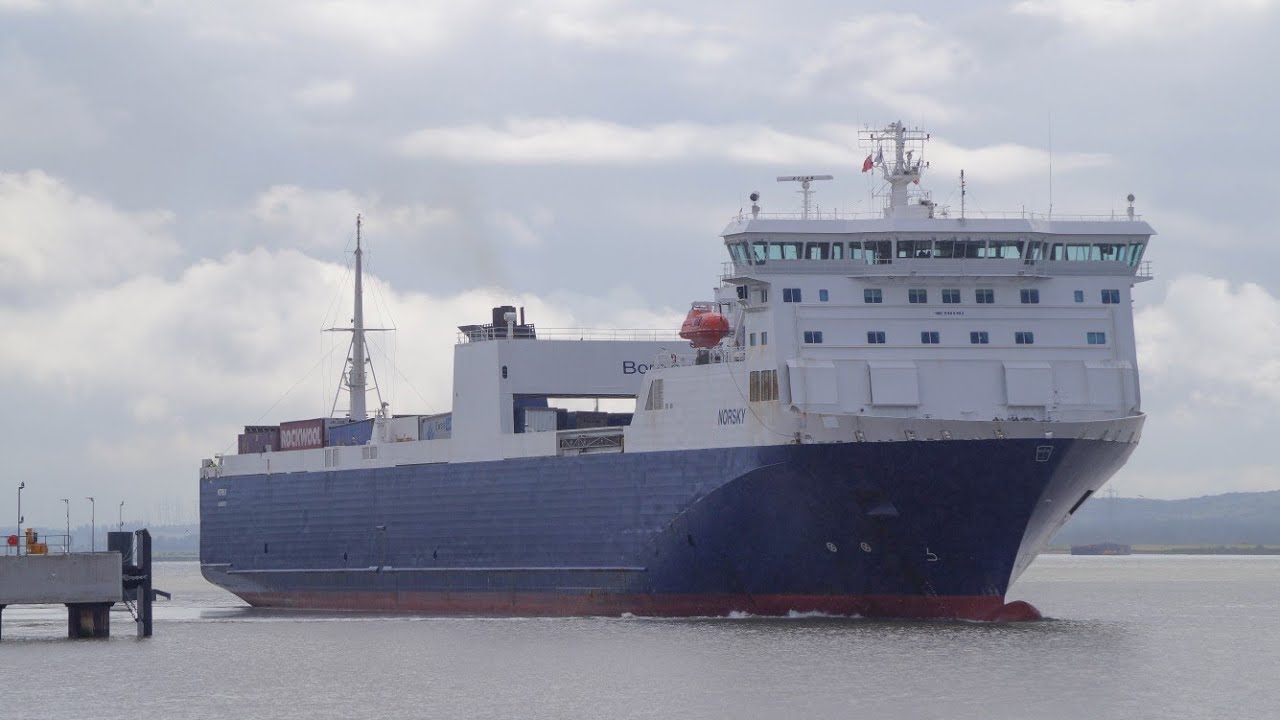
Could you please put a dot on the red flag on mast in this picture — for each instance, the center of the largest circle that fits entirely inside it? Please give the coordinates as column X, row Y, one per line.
column 867, row 164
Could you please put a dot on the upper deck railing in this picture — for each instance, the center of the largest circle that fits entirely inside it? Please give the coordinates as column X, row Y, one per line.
column 941, row 214
column 616, row 334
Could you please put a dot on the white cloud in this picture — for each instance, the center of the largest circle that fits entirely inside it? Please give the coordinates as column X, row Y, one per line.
column 899, row 60
column 612, row 26
column 589, row 141
column 313, row 218
column 325, row 93
column 1214, row 345
column 1127, row 20
column 1006, row 161
column 53, row 238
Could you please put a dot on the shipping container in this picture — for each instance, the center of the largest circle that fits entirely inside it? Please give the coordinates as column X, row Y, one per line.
column 356, row 433
column 303, row 434
column 436, row 427
column 267, row 440
column 539, row 420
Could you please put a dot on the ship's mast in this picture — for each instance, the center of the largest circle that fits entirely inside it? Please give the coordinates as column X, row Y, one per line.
column 905, row 168
column 356, row 377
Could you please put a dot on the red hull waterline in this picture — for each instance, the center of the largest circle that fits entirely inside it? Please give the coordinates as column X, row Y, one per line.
column 966, row 607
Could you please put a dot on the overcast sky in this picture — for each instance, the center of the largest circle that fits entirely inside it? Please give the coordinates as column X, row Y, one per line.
column 178, row 183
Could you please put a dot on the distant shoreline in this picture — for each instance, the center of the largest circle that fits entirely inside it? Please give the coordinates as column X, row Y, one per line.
column 1187, row 550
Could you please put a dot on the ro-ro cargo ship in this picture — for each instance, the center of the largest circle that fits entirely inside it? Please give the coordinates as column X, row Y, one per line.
column 881, row 415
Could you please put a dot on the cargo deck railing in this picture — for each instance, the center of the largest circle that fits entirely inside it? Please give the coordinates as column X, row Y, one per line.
column 615, row 334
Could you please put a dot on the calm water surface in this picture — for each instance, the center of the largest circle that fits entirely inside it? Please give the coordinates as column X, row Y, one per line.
column 1131, row 637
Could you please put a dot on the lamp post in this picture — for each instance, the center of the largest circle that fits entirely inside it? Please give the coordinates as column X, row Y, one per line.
column 67, row 502
column 93, row 525
column 21, row 485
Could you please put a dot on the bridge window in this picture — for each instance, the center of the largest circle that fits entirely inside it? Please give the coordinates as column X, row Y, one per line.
column 784, row 250
column 970, row 248
column 759, row 251
column 813, row 337
column 875, row 337
column 1005, row 249
column 918, row 295
column 1024, row 337
column 1097, row 338
column 791, row 295
column 1079, row 296
column 930, row 337
column 871, row 252
column 915, row 249
column 1110, row 297
column 873, row 295
column 951, row 296
column 1035, row 251
column 738, row 251
column 1135, row 253
column 817, row 251
column 984, row 296
column 823, row 295
column 1030, row 296
column 1113, row 252
column 944, row 249
column 979, row 337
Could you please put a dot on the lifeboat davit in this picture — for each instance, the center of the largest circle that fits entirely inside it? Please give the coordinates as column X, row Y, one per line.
column 704, row 327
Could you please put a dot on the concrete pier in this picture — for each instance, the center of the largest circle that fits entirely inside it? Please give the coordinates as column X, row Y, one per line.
column 87, row 583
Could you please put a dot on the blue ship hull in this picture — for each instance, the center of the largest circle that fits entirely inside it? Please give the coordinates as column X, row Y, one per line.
column 913, row 528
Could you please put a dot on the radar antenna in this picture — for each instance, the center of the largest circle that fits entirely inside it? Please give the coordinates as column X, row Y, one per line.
column 804, row 190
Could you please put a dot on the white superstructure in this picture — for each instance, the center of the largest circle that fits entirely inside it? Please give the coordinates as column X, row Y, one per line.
column 902, row 326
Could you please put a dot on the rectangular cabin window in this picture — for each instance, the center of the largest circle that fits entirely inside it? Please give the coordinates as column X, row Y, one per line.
column 1024, row 337
column 873, row 295
column 910, row 249
column 837, row 251
column 751, row 339
column 823, row 295
column 1097, row 338
column 930, row 337
column 1110, row 297
column 917, row 296
column 813, row 337
column 1079, row 295
column 764, row 338
column 875, row 337
column 951, row 296
column 1030, row 296
column 743, row 292
column 791, row 295
column 984, row 296
column 764, row 295
column 979, row 337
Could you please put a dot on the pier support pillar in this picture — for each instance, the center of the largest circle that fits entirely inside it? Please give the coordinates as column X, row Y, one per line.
column 1, row 622
column 89, row 620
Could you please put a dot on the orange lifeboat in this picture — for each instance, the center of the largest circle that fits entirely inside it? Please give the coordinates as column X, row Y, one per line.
column 704, row 327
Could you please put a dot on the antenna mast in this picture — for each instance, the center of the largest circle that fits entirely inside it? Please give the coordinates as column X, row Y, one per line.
column 353, row 376
column 804, row 190
column 355, row 379
column 962, row 193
